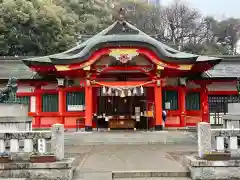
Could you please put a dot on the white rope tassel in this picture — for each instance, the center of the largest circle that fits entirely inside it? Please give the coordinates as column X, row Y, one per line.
column 104, row 90
column 142, row 90
column 135, row 91
column 122, row 94
column 109, row 91
column 129, row 92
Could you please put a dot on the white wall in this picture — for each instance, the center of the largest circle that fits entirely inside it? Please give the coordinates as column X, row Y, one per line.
column 25, row 88
column 222, row 86
column 50, row 86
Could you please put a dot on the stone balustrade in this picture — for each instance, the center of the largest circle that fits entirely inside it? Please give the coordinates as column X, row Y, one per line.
column 14, row 117
column 218, row 154
column 34, row 142
column 32, row 160
column 231, row 121
column 218, row 140
column 225, row 140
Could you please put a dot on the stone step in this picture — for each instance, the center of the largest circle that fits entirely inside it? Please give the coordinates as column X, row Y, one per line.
column 100, row 138
column 93, row 176
column 136, row 175
column 12, row 178
column 148, row 174
column 156, row 178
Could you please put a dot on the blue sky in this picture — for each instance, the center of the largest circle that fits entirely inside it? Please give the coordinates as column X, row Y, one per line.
column 220, row 9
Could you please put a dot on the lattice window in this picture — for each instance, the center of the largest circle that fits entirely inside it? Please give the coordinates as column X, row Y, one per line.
column 50, row 103
column 170, row 97
column 193, row 101
column 219, row 103
column 75, row 98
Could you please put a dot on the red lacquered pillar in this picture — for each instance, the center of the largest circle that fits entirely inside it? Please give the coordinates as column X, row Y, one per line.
column 182, row 105
column 158, row 108
column 204, row 107
column 88, row 106
column 61, row 104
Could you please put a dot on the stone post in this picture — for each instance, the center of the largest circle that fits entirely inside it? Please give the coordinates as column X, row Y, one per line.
column 204, row 138
column 57, row 142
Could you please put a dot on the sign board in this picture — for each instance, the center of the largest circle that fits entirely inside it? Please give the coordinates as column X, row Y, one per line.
column 167, row 105
column 75, row 107
column 41, row 146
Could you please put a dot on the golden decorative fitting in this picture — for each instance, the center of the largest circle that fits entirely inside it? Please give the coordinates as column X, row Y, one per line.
column 88, row 83
column 185, row 67
column 160, row 67
column 61, row 68
column 158, row 82
column 87, row 68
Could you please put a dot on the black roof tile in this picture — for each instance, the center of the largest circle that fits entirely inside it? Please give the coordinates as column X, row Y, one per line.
column 14, row 67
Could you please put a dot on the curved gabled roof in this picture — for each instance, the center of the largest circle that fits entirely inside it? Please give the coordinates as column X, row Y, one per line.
column 119, row 34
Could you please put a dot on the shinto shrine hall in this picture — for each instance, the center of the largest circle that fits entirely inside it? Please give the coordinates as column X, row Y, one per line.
column 122, row 78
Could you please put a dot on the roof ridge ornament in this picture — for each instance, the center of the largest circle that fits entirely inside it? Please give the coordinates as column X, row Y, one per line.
column 122, row 14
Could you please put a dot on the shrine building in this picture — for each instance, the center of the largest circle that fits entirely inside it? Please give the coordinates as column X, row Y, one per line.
column 122, row 78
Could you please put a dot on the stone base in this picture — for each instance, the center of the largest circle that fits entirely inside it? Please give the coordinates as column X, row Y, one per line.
column 12, row 124
column 7, row 109
column 158, row 127
column 210, row 170
column 88, row 128
column 61, row 170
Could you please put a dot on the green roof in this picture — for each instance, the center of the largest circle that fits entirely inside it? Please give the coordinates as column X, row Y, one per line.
column 119, row 34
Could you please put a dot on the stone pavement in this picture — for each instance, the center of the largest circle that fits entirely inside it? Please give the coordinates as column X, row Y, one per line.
column 104, row 155
column 130, row 137
column 101, row 161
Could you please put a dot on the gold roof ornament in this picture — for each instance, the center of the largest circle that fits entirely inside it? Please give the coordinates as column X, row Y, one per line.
column 159, row 67
column 186, row 67
column 87, row 68
column 61, row 67
column 122, row 14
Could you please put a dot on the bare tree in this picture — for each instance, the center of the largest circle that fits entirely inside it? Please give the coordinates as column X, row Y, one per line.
column 182, row 23
column 144, row 16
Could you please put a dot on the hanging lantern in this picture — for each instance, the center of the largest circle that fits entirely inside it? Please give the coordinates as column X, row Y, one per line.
column 104, row 90
column 141, row 90
column 134, row 91
column 129, row 92
column 122, row 94
column 109, row 91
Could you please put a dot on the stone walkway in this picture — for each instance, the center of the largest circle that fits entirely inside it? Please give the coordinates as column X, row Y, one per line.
column 149, row 152
column 131, row 158
column 129, row 137
column 101, row 161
